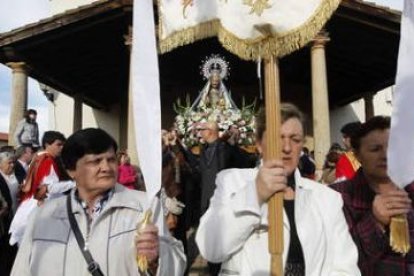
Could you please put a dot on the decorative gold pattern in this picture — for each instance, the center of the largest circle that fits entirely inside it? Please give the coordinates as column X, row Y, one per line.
column 185, row 4
column 257, row 6
column 278, row 45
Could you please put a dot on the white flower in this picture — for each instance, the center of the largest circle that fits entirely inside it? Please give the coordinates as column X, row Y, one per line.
column 196, row 117
column 235, row 116
column 188, row 121
column 179, row 119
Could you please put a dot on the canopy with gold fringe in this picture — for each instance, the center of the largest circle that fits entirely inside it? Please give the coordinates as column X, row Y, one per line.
column 293, row 24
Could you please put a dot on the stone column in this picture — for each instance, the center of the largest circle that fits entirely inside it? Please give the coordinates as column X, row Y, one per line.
column 369, row 106
column 77, row 112
column 19, row 96
column 320, row 101
column 130, row 139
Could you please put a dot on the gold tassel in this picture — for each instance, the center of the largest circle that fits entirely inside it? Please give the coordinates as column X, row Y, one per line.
column 142, row 260
column 399, row 235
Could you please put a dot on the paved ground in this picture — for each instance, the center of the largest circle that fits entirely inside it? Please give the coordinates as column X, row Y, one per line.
column 199, row 267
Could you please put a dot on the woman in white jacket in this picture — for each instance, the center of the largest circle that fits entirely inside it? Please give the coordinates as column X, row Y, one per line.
column 234, row 229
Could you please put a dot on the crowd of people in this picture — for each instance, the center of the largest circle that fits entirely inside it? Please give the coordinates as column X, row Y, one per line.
column 64, row 201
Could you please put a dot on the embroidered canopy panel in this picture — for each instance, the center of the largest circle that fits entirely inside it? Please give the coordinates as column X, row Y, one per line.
column 251, row 29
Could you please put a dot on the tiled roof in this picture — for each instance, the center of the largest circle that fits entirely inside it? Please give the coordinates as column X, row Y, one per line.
column 4, row 136
column 64, row 18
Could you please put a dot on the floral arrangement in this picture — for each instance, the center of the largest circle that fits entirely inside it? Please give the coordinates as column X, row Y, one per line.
column 189, row 120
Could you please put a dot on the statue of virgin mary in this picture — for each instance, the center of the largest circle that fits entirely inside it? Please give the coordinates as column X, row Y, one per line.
column 214, row 103
column 214, row 94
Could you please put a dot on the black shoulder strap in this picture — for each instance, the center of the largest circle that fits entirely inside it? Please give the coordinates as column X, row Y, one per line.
column 93, row 267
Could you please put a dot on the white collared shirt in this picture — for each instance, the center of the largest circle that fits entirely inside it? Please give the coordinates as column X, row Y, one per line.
column 24, row 165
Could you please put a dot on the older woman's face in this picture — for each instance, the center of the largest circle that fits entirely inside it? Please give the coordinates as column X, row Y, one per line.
column 372, row 154
column 96, row 173
column 292, row 139
column 7, row 166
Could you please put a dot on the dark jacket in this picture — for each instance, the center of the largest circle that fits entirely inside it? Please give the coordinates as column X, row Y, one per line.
column 215, row 157
column 5, row 191
column 20, row 172
column 7, row 252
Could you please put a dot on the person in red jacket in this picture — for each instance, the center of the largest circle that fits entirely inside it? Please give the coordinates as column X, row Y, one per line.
column 347, row 164
column 43, row 182
column 127, row 175
column 44, row 170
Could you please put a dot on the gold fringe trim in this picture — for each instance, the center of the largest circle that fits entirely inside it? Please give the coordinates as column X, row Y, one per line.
column 188, row 36
column 399, row 235
column 277, row 45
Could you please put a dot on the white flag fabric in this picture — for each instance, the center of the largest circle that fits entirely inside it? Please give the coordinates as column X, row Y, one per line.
column 146, row 95
column 291, row 24
column 401, row 143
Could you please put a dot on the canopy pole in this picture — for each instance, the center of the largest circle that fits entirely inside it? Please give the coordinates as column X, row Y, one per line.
column 273, row 150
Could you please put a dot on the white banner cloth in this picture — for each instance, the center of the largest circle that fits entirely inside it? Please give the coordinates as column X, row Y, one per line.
column 146, row 95
column 292, row 24
column 401, row 143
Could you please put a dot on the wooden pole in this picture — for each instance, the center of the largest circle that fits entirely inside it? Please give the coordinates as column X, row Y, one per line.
column 273, row 150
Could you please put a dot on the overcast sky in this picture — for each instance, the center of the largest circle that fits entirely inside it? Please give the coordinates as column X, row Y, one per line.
column 13, row 14
column 16, row 13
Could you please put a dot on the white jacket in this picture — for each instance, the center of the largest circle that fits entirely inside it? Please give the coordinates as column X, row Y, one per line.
column 49, row 247
column 233, row 230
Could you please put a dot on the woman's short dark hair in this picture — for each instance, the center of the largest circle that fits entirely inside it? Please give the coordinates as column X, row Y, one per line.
column 287, row 110
column 86, row 141
column 349, row 129
column 29, row 112
column 49, row 137
column 375, row 123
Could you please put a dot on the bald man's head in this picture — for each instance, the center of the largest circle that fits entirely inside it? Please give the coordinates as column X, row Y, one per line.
column 212, row 125
column 209, row 131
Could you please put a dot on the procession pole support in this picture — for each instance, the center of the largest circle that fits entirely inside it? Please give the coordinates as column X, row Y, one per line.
column 273, row 151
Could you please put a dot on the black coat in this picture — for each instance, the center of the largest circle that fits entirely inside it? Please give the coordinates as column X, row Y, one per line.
column 222, row 156
column 20, row 172
column 7, row 252
column 204, row 171
column 5, row 191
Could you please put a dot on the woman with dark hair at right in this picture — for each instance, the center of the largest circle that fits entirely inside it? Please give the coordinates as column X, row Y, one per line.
column 371, row 199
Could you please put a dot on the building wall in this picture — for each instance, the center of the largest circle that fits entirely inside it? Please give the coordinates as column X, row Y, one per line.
column 61, row 117
column 356, row 112
column 59, row 6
